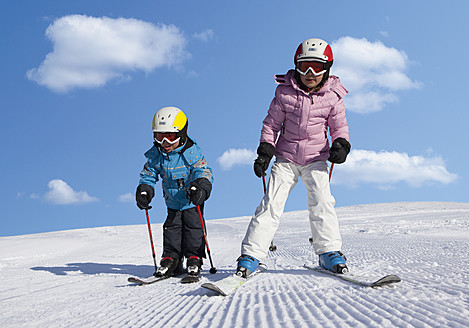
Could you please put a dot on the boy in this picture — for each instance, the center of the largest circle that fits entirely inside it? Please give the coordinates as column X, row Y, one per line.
column 187, row 183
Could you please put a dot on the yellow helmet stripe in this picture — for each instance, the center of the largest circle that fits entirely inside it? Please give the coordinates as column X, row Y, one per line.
column 180, row 121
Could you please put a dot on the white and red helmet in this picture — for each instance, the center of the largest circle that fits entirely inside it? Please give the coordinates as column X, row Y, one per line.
column 314, row 50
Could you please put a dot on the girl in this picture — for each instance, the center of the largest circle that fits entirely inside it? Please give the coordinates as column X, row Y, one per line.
column 307, row 102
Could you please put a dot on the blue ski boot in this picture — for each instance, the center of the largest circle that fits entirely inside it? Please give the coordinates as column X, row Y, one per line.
column 246, row 265
column 333, row 261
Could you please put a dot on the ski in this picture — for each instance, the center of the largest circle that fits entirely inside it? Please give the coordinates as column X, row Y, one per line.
column 358, row 279
column 190, row 278
column 228, row 285
column 148, row 281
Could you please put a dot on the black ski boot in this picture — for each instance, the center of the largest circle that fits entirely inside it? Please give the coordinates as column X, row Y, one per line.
column 167, row 267
column 194, row 265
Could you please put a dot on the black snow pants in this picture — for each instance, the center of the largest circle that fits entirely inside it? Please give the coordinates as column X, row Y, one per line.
column 183, row 235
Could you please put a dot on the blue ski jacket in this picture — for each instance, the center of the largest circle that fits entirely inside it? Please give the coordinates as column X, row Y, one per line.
column 177, row 170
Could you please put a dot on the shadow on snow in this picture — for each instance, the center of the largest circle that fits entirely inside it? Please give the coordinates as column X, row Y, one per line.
column 91, row 268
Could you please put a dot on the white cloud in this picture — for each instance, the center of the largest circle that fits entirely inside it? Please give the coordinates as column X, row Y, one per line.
column 372, row 72
column 90, row 51
column 61, row 193
column 204, row 36
column 388, row 168
column 126, row 198
column 365, row 102
column 233, row 157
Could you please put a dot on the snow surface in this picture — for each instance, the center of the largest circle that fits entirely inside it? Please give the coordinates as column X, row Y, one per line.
column 78, row 278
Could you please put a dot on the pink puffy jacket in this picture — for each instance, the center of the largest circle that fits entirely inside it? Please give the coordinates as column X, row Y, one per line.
column 303, row 119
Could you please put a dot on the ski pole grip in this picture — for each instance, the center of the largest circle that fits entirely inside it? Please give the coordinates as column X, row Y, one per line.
column 144, row 193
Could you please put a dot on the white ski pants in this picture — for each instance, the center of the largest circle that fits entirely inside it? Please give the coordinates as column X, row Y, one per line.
column 322, row 216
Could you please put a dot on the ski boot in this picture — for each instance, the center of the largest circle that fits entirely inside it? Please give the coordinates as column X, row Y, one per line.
column 246, row 265
column 333, row 261
column 167, row 267
column 194, row 265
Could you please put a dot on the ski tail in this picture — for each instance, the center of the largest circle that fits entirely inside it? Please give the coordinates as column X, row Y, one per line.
column 228, row 285
column 190, row 278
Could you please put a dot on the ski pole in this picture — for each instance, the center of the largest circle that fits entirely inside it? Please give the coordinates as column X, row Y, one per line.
column 272, row 247
column 212, row 269
column 263, row 181
column 151, row 238
column 330, row 172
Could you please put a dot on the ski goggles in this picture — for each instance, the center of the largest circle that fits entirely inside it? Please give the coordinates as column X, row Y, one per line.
column 169, row 137
column 317, row 68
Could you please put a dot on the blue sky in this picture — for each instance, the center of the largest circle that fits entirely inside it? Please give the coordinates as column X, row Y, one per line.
column 82, row 80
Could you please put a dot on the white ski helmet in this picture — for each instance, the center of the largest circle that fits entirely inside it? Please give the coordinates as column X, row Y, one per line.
column 169, row 119
column 314, row 49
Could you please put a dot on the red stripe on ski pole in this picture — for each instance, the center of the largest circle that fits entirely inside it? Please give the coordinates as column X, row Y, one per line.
column 151, row 240
column 263, row 182
column 212, row 269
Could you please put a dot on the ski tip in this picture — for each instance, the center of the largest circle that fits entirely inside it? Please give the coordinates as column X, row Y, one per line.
column 389, row 279
column 213, row 288
column 148, row 281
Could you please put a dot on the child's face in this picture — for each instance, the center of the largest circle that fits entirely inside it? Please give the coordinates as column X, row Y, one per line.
column 310, row 80
column 168, row 147
column 167, row 140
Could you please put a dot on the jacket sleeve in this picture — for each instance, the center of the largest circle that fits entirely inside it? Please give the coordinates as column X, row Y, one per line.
column 198, row 164
column 273, row 121
column 149, row 174
column 337, row 122
column 201, row 170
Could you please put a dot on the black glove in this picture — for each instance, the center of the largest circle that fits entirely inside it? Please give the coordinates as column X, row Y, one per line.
column 200, row 191
column 339, row 151
column 144, row 196
column 265, row 152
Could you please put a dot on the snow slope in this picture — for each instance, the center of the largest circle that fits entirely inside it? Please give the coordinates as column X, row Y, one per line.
column 78, row 278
